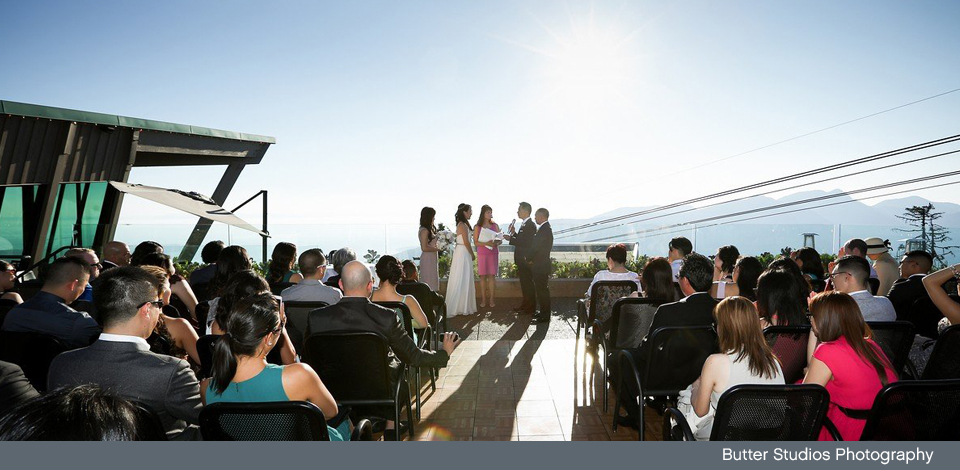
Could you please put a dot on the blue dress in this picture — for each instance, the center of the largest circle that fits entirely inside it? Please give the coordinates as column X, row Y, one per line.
column 267, row 386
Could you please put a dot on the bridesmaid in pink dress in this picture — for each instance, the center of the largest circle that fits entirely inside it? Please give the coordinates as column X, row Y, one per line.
column 847, row 363
column 488, row 256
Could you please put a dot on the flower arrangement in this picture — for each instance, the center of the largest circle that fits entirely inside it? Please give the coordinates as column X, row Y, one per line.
column 446, row 240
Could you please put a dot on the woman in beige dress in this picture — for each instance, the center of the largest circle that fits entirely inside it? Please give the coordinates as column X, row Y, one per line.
column 429, row 265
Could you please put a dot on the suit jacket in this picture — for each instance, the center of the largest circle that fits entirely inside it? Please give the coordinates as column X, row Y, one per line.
column 164, row 383
column 695, row 310
column 539, row 253
column 359, row 314
column 523, row 241
column 105, row 265
column 904, row 293
column 14, row 387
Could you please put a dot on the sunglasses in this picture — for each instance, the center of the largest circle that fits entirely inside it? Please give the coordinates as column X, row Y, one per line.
column 156, row 303
column 831, row 275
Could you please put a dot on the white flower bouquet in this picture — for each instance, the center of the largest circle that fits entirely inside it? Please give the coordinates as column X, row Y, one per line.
column 446, row 240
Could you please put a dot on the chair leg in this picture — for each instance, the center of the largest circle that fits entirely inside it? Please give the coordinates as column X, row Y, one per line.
column 419, row 386
column 640, row 419
column 616, row 398
column 605, row 387
column 396, row 423
column 410, row 416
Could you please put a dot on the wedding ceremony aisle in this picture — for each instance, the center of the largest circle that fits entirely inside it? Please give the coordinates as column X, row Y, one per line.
column 513, row 380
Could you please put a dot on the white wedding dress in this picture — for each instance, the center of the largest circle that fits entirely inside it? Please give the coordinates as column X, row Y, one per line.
column 461, row 297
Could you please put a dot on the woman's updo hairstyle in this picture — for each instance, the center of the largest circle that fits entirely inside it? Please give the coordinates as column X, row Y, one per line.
column 389, row 269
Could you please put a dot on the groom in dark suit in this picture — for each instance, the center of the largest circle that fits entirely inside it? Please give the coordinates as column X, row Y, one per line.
column 540, row 264
column 523, row 243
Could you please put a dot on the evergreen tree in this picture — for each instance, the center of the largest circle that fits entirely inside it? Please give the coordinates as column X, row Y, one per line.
column 932, row 236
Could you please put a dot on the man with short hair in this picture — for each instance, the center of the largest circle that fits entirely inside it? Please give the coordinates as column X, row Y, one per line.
column 115, row 254
column 209, row 254
column 878, row 251
column 857, row 247
column 410, row 273
column 48, row 311
column 89, row 257
column 851, row 275
column 678, row 248
column 523, row 242
column 129, row 300
column 540, row 265
column 312, row 264
column 913, row 267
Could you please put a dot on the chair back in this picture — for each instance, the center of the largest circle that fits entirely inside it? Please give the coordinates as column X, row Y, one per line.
column 5, row 306
column 770, row 413
column 895, row 338
column 33, row 352
column 297, row 314
column 915, row 410
column 424, row 296
column 201, row 291
column 629, row 312
column 789, row 344
column 354, row 366
column 874, row 285
column 604, row 294
column 278, row 287
column 944, row 361
column 267, row 421
column 924, row 315
column 148, row 422
column 403, row 312
column 676, row 359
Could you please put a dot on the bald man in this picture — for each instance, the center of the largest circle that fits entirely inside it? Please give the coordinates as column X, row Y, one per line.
column 115, row 254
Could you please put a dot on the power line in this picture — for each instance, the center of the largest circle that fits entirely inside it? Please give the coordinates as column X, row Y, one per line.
column 856, row 161
column 761, row 194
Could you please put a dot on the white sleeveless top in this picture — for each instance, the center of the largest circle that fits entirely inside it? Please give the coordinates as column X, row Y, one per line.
column 739, row 374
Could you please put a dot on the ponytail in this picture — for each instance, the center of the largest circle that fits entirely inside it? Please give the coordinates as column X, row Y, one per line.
column 224, row 363
column 248, row 322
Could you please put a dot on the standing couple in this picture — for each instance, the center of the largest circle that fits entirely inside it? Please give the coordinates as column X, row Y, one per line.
column 461, row 289
column 533, row 244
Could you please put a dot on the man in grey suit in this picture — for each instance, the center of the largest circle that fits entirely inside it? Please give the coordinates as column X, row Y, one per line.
column 128, row 300
column 851, row 275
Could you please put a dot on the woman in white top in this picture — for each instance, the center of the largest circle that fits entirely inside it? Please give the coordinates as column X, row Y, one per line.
column 616, row 269
column 723, row 264
column 390, row 271
column 746, row 359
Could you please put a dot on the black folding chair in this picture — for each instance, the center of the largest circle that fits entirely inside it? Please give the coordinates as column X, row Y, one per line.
column 603, row 295
column 423, row 342
column 895, row 338
column 608, row 334
column 431, row 303
column 297, row 314
column 277, row 288
column 789, row 344
column 676, row 359
column 148, row 422
column 915, row 410
column 355, row 367
column 268, row 421
column 924, row 315
column 760, row 413
column 33, row 352
column 5, row 306
column 874, row 285
column 944, row 361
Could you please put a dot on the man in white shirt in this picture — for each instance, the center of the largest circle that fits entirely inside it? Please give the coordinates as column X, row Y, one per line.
column 850, row 275
column 678, row 248
column 313, row 265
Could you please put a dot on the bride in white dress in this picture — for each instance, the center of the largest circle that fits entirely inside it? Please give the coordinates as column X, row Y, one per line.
column 461, row 297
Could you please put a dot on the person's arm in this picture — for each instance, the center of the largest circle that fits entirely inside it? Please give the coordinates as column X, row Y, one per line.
column 708, row 380
column 295, row 278
column 13, row 296
column 419, row 319
column 203, row 390
column 817, row 373
column 425, row 242
column 408, row 352
column 812, row 342
column 301, row 382
column 184, row 336
column 185, row 293
column 183, row 394
column 933, row 283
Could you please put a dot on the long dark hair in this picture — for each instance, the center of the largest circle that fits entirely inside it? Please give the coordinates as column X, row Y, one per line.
column 837, row 315
column 160, row 260
column 482, row 219
column 231, row 260
column 241, row 285
column 144, row 249
column 427, row 215
column 251, row 320
column 777, row 294
column 728, row 258
column 812, row 264
column 281, row 262
column 749, row 272
column 389, row 270
column 461, row 215
column 657, row 280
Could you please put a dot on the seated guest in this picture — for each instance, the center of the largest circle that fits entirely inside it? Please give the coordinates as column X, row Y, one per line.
column 48, row 311
column 933, row 284
column 339, row 258
column 745, row 275
column 850, row 275
column 678, row 249
column 810, row 264
column 410, row 273
column 883, row 264
column 88, row 257
column 241, row 372
column 913, row 267
column 657, row 285
column 723, row 264
column 83, row 413
column 855, row 247
column 312, row 266
column 128, row 301
column 280, row 270
column 790, row 266
column 746, row 358
column 172, row 336
column 230, row 261
column 179, row 286
column 115, row 254
column 14, row 387
column 208, row 255
column 389, row 271
column 779, row 300
column 330, row 271
column 8, row 284
column 144, row 249
column 616, row 270
column 849, row 364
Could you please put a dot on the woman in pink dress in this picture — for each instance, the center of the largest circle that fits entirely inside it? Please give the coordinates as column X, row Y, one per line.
column 488, row 256
column 847, row 362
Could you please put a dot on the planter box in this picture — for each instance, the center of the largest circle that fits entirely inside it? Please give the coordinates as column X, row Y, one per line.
column 510, row 288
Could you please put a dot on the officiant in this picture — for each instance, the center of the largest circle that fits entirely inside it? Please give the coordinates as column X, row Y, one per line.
column 487, row 238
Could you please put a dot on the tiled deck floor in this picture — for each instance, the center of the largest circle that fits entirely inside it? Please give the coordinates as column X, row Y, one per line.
column 510, row 380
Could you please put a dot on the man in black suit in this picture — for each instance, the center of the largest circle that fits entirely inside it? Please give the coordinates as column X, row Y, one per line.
column 909, row 288
column 14, row 387
column 540, row 265
column 115, row 254
column 696, row 309
column 128, row 300
column 523, row 243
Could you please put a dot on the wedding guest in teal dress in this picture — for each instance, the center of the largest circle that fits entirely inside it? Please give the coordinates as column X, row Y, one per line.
column 281, row 270
column 241, row 372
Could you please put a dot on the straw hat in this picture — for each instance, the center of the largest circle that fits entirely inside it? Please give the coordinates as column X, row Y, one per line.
column 876, row 245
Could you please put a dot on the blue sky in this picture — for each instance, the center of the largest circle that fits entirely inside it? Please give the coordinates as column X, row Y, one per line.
column 380, row 108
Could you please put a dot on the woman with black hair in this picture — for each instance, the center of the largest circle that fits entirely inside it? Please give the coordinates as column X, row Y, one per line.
column 390, row 272
column 810, row 264
column 231, row 260
column 144, row 249
column 241, row 372
column 745, row 275
column 429, row 262
column 723, row 264
column 780, row 301
column 282, row 260
column 461, row 295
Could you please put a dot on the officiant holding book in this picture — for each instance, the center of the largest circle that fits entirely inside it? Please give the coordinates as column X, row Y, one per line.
column 487, row 238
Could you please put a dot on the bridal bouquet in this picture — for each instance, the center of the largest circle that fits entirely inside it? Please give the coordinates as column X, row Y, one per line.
column 446, row 239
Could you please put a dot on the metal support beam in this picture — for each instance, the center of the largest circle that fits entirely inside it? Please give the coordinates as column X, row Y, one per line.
column 49, row 197
column 264, row 193
column 113, row 200
column 203, row 225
